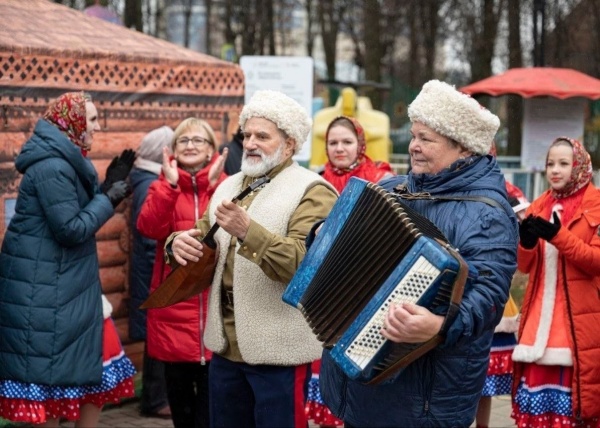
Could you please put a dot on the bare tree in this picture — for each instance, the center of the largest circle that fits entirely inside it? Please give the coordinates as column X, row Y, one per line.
column 373, row 55
column 330, row 16
column 310, row 9
column 515, row 59
column 474, row 25
column 207, row 25
column 132, row 18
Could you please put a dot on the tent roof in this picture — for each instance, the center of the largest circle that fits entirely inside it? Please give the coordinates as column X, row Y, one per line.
column 538, row 81
column 45, row 27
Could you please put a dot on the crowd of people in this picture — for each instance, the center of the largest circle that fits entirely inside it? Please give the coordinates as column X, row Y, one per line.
column 236, row 354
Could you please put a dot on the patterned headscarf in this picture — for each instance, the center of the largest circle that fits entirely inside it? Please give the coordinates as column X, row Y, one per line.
column 362, row 145
column 68, row 114
column 581, row 174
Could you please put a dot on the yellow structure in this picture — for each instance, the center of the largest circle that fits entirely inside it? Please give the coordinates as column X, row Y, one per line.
column 375, row 123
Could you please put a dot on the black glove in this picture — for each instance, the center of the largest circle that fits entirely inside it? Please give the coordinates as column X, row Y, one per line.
column 527, row 237
column 118, row 169
column 543, row 228
column 117, row 192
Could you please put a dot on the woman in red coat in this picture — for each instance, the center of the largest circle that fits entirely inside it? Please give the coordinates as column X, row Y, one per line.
column 174, row 202
column 345, row 144
column 557, row 360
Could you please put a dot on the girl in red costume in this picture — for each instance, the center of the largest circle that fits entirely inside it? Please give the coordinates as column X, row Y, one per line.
column 556, row 369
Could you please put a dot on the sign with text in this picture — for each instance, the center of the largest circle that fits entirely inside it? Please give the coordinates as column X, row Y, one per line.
column 544, row 120
column 288, row 74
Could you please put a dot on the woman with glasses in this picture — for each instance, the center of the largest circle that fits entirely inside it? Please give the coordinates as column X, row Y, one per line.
column 175, row 201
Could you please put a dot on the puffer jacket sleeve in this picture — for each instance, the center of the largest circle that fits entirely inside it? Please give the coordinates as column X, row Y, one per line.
column 156, row 215
column 56, row 189
column 487, row 240
column 585, row 256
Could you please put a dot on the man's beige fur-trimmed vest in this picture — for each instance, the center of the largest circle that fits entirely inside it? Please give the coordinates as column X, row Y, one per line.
column 268, row 330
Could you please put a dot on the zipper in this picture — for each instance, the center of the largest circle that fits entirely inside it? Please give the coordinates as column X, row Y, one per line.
column 429, row 384
column 201, row 296
column 202, row 349
column 577, row 412
column 195, row 189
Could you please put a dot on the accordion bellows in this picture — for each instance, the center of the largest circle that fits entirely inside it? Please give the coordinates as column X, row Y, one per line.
column 373, row 251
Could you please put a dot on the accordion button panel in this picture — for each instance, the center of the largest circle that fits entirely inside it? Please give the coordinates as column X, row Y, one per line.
column 369, row 340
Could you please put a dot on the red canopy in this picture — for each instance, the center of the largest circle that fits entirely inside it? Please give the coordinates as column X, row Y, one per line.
column 538, row 81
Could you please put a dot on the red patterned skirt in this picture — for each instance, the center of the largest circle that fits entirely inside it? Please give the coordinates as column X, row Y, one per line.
column 543, row 399
column 315, row 407
column 36, row 403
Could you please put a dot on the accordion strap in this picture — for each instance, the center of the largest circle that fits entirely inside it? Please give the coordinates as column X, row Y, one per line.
column 458, row 288
column 402, row 192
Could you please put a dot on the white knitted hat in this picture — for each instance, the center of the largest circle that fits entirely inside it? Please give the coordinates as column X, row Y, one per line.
column 455, row 115
column 283, row 111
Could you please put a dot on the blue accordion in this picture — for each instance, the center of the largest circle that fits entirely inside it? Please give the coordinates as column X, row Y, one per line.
column 374, row 251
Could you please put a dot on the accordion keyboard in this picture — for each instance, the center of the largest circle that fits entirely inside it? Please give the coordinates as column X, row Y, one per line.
column 369, row 340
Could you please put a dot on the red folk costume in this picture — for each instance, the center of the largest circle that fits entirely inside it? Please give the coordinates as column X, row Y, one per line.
column 363, row 167
column 366, row 169
column 174, row 333
column 556, row 363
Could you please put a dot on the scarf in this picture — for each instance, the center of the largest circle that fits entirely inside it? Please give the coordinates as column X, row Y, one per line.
column 67, row 113
column 362, row 146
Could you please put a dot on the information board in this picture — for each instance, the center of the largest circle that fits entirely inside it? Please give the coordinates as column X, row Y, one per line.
column 544, row 120
column 291, row 75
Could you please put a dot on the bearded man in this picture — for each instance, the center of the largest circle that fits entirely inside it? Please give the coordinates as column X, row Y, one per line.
column 262, row 347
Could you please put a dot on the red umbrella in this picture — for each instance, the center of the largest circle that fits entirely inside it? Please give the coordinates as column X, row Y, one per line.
column 538, row 81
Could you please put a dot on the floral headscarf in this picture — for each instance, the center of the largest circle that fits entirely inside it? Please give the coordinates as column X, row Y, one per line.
column 68, row 114
column 581, row 174
column 362, row 145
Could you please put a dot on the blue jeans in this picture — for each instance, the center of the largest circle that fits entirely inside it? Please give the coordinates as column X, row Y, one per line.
column 244, row 395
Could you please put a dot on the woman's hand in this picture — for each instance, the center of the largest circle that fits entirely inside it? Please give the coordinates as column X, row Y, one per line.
column 217, row 168
column 410, row 323
column 169, row 168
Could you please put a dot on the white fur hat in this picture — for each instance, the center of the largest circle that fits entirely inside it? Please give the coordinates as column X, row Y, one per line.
column 283, row 111
column 455, row 115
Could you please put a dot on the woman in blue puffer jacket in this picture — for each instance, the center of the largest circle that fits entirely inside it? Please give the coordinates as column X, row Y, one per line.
column 60, row 354
column 451, row 136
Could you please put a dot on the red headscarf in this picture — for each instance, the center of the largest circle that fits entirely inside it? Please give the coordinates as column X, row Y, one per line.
column 581, row 174
column 67, row 113
column 570, row 196
column 362, row 167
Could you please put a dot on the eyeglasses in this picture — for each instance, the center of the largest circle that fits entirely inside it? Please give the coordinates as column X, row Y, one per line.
column 196, row 141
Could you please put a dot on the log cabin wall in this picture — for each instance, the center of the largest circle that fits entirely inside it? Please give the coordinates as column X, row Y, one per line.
column 138, row 83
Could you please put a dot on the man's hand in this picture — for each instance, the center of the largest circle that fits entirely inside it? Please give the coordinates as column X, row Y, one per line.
column 186, row 246
column 409, row 323
column 233, row 219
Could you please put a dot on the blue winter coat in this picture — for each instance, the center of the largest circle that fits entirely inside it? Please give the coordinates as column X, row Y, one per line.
column 142, row 256
column 50, row 295
column 442, row 388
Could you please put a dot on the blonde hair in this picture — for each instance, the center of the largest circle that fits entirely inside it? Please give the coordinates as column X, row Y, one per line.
column 194, row 123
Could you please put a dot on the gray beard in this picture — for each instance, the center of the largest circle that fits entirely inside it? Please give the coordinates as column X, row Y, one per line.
column 266, row 164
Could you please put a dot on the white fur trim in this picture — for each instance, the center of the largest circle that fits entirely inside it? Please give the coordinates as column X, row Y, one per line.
column 106, row 307
column 283, row 111
column 528, row 353
column 455, row 115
